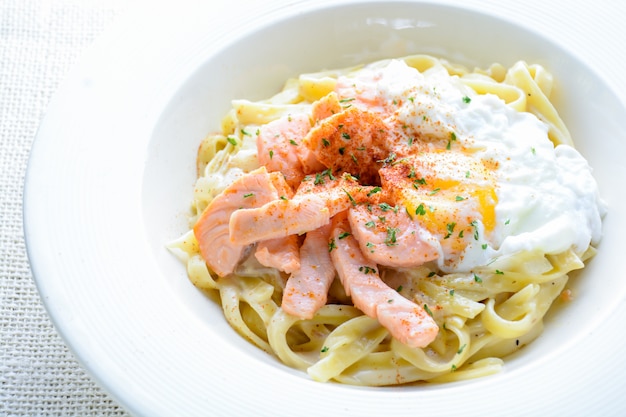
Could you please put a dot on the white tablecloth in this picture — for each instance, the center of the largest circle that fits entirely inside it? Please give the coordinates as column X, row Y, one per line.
column 39, row 41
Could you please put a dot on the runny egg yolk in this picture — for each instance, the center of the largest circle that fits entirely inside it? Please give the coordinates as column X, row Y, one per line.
column 448, row 193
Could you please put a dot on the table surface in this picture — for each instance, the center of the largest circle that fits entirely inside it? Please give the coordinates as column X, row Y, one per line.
column 39, row 42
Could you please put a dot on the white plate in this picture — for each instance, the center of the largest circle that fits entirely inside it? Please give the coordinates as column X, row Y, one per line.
column 112, row 170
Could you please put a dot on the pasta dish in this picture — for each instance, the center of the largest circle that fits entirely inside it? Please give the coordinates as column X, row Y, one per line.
column 402, row 221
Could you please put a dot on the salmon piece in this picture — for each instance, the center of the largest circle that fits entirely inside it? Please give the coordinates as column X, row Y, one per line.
column 308, row 160
column 406, row 321
column 352, row 141
column 276, row 146
column 282, row 253
column 278, row 218
column 279, row 182
column 306, row 290
column 340, row 192
column 321, row 109
column 212, row 230
column 325, row 107
column 388, row 236
column 317, row 200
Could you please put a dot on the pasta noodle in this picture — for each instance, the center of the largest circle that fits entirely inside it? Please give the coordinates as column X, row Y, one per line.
column 483, row 315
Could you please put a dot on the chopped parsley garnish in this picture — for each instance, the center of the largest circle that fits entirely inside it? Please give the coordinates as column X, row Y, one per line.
column 352, row 200
column 458, row 352
column 345, row 136
column 478, row 279
column 329, row 173
column 232, row 140
column 420, row 210
column 325, row 142
column 367, row 270
column 344, row 235
column 341, row 151
column 349, row 176
column 430, row 313
column 391, row 236
column 271, row 153
column 466, row 100
column 498, row 272
column 452, row 139
column 370, row 224
column 248, row 195
column 293, row 142
column 374, row 191
column 450, row 229
column 324, row 349
column 459, row 198
column 389, row 159
column 331, row 245
column 474, row 224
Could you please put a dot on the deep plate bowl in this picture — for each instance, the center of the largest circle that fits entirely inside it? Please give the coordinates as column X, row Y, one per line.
column 111, row 176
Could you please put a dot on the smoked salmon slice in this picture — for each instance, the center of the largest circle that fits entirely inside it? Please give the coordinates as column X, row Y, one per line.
column 406, row 321
column 306, row 290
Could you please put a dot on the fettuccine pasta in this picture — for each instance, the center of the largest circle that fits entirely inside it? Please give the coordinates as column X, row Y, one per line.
column 327, row 214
